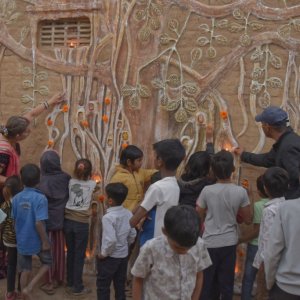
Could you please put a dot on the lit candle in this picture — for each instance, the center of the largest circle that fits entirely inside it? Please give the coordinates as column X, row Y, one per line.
column 97, row 178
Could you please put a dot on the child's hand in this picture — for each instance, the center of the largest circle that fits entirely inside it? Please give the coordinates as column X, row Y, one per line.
column 100, row 256
column 46, row 246
column 58, row 98
column 238, row 151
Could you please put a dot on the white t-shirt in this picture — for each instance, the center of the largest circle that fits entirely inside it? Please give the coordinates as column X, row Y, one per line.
column 163, row 194
column 80, row 194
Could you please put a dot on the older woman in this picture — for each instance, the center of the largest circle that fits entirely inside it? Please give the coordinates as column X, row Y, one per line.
column 16, row 129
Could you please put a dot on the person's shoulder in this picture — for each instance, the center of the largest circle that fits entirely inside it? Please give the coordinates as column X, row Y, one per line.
column 198, row 248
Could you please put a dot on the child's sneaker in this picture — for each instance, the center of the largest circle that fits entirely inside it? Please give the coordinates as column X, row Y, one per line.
column 85, row 291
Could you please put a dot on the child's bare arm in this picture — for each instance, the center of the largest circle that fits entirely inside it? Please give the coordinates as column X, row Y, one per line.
column 140, row 213
column 198, row 286
column 40, row 228
column 137, row 288
column 246, row 214
column 251, row 234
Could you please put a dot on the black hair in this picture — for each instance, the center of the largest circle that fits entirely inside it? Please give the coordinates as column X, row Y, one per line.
column 83, row 169
column 117, row 191
column 276, row 181
column 197, row 166
column 132, row 153
column 222, row 164
column 30, row 175
column 14, row 184
column 260, row 186
column 182, row 225
column 155, row 177
column 15, row 125
column 171, row 152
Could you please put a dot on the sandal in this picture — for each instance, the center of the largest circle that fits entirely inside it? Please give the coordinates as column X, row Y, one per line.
column 45, row 288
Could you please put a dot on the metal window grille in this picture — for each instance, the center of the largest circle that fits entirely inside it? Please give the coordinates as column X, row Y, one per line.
column 70, row 33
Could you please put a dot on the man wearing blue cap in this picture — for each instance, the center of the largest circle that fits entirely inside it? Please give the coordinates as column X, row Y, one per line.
column 285, row 152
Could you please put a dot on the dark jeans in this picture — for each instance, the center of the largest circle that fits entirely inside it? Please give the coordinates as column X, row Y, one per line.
column 108, row 270
column 249, row 273
column 12, row 255
column 277, row 293
column 220, row 274
column 76, row 235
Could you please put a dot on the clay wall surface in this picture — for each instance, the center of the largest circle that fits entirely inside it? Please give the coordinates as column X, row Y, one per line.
column 152, row 69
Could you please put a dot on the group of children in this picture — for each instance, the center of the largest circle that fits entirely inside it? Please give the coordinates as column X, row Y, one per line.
column 165, row 223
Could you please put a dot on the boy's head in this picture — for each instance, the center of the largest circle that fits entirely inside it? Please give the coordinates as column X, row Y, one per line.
column 198, row 165
column 182, row 228
column 116, row 193
column 169, row 154
column 260, row 187
column 30, row 175
column 276, row 182
column 222, row 164
column 132, row 157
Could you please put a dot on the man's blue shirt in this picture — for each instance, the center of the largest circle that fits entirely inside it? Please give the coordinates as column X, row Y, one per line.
column 28, row 207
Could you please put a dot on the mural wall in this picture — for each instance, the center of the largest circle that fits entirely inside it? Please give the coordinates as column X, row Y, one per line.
column 142, row 70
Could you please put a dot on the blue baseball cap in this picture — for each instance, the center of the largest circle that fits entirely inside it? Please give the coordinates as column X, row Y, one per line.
column 273, row 115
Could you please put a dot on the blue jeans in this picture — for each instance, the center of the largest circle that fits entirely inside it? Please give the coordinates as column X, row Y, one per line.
column 76, row 235
column 249, row 273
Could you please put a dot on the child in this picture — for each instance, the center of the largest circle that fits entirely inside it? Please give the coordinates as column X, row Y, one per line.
column 170, row 266
column 12, row 186
column 252, row 239
column 117, row 235
column 54, row 184
column 162, row 194
column 30, row 210
column 132, row 175
column 76, row 226
column 276, row 182
column 221, row 202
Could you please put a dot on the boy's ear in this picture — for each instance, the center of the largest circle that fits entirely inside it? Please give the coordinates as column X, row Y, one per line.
column 128, row 162
column 110, row 201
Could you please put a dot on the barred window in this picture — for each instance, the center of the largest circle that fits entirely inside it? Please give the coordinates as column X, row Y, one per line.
column 70, row 33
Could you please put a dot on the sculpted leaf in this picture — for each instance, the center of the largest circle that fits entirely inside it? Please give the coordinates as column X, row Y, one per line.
column 257, row 55
column 264, row 101
column 139, row 15
column 42, row 75
column 256, row 26
column 144, row 91
column 156, row 9
column 284, row 31
column 27, row 71
column 221, row 40
column 296, row 24
column 238, row 14
column 258, row 73
column 204, row 28
column 245, row 40
column 164, row 100
column 211, row 52
column 154, row 23
column 43, row 90
column 27, row 84
column 223, row 23
column 144, row 34
column 134, row 102
column 26, row 99
column 174, row 80
column 274, row 82
column 202, row 41
column 172, row 105
column 190, row 104
column 196, row 54
column 255, row 87
column 127, row 90
column 235, row 27
column 181, row 115
column 173, row 25
column 164, row 39
column 275, row 61
column 191, row 88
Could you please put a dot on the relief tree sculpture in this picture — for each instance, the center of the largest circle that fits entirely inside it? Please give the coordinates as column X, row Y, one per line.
column 156, row 68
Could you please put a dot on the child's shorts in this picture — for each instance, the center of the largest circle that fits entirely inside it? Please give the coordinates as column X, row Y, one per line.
column 25, row 261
